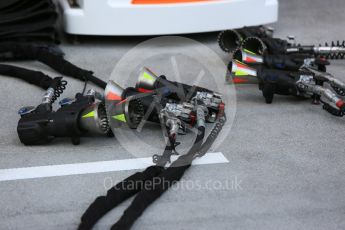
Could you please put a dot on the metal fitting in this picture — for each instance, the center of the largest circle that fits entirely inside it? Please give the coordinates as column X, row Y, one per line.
column 200, row 115
column 209, row 99
column 174, row 125
column 179, row 110
column 48, row 96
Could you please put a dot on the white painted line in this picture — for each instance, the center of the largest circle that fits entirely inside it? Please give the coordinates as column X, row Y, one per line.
column 94, row 167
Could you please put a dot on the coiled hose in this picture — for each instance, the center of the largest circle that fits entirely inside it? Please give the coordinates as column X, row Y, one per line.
column 58, row 90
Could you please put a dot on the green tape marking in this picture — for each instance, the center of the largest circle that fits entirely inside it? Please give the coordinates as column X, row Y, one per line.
column 248, row 51
column 240, row 73
column 90, row 114
column 148, row 76
column 120, row 117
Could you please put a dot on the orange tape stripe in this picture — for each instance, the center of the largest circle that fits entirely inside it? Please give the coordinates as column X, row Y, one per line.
column 113, row 97
column 121, row 102
column 142, row 90
column 239, row 80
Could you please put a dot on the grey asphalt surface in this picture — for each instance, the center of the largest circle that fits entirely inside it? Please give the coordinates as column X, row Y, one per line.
column 288, row 157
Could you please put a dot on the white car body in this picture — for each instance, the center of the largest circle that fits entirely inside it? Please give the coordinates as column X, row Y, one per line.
column 147, row 17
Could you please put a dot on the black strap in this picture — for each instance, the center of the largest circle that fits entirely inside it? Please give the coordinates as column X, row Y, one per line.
column 24, row 8
column 64, row 67
column 48, row 32
column 268, row 91
column 10, row 51
column 33, row 77
column 147, row 196
column 121, row 192
column 27, row 27
column 117, row 194
column 166, row 179
column 14, row 51
column 8, row 3
column 45, row 35
column 21, row 20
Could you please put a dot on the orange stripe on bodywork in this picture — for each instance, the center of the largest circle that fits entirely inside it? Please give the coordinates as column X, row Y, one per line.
column 137, row 2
